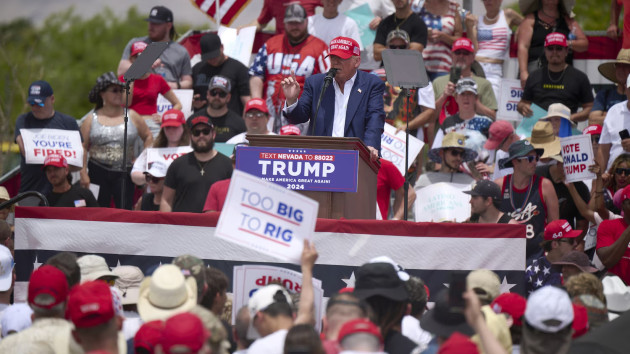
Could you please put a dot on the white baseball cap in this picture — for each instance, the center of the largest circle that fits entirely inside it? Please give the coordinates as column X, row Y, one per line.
column 6, row 268
column 549, row 309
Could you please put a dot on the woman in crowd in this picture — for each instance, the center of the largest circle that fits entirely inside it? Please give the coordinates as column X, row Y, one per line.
column 491, row 37
column 544, row 17
column 618, row 177
column 103, row 136
column 150, row 201
column 445, row 26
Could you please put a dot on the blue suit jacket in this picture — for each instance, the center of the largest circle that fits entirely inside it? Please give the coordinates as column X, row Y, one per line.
column 365, row 116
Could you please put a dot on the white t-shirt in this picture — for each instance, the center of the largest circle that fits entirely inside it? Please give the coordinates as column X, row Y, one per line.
column 411, row 329
column 270, row 344
column 240, row 138
column 328, row 29
column 618, row 120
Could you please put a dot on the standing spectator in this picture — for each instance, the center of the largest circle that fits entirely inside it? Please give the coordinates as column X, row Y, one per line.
column 239, row 331
column 613, row 29
column 559, row 240
column 390, row 179
column 294, row 51
column 95, row 267
column 360, row 336
column 303, row 338
column 557, row 82
column 450, row 156
column 128, row 285
column 616, row 71
column 215, row 62
column 174, row 62
column 512, row 305
column 444, row 25
column 548, row 317
column 67, row 263
column 185, row 333
column 7, row 278
column 330, row 23
column 341, row 308
column 405, row 19
column 63, row 193
column 276, row 9
column 148, row 337
column 190, row 176
column 443, row 322
column 154, row 177
column 573, row 263
column 611, row 144
column 41, row 116
column 501, row 136
column 418, row 298
column 226, row 122
column 613, row 237
column 527, row 198
column 103, row 137
column 256, row 120
column 485, row 200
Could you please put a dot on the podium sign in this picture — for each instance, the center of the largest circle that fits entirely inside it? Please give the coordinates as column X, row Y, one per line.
column 302, row 169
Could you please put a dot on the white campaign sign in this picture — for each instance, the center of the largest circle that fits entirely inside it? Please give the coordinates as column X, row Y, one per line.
column 511, row 93
column 393, row 147
column 185, row 96
column 249, row 278
column 39, row 143
column 577, row 154
column 166, row 155
column 238, row 44
column 443, row 202
column 267, row 217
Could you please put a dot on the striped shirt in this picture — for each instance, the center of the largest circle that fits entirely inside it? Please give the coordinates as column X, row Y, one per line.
column 494, row 39
column 437, row 55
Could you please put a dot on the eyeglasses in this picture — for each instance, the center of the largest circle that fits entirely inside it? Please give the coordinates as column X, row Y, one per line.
column 457, row 153
column 197, row 132
column 529, row 158
column 219, row 93
column 556, row 48
column 402, row 46
column 257, row 115
column 153, row 179
column 115, row 90
column 623, row 171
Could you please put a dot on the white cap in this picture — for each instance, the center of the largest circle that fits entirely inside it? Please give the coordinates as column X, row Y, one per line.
column 617, row 293
column 16, row 317
column 259, row 301
column 404, row 276
column 6, row 268
column 549, row 309
column 158, row 169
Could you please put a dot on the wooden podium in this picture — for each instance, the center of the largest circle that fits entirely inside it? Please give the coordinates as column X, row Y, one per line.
column 334, row 205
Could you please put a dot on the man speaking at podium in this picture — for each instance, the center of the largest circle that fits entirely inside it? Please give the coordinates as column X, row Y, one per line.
column 351, row 107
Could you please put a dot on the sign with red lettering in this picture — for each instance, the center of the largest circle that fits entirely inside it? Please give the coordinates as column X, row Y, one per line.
column 577, row 155
column 166, row 155
column 39, row 143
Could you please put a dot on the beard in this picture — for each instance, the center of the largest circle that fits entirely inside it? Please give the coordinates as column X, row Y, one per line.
column 202, row 148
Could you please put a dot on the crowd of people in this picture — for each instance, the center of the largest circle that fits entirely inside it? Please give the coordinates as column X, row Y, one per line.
column 315, row 76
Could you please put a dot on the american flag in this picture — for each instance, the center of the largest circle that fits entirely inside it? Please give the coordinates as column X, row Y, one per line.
column 228, row 9
column 493, row 39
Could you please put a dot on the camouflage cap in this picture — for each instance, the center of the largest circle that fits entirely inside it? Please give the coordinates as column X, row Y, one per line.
column 192, row 266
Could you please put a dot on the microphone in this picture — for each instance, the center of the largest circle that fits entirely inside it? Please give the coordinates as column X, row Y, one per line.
column 327, row 81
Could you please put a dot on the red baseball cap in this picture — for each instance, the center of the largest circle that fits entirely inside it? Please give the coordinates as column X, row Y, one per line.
column 184, row 331
column 458, row 343
column 625, row 194
column 90, row 304
column 256, row 103
column 173, row 118
column 201, row 120
column 499, row 130
column 560, row 229
column 149, row 335
column 463, row 43
column 593, row 129
column 359, row 325
column 344, row 47
column 289, row 130
column 137, row 48
column 556, row 38
column 511, row 303
column 580, row 320
column 55, row 160
column 47, row 287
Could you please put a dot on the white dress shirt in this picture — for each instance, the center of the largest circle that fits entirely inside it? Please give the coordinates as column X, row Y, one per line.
column 341, row 106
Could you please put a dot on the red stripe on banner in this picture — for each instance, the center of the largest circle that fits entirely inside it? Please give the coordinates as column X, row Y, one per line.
column 234, row 11
column 369, row 227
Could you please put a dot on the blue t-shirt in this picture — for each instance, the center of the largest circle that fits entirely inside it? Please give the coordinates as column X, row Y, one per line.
column 607, row 98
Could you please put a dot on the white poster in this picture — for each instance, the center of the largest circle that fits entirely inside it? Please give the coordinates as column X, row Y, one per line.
column 443, row 201
column 577, row 154
column 39, row 143
column 238, row 44
column 185, row 96
column 267, row 217
column 166, row 155
column 393, row 147
column 511, row 93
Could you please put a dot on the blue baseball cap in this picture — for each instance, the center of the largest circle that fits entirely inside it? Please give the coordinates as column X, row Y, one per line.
column 38, row 92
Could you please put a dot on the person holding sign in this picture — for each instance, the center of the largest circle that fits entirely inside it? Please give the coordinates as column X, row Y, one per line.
column 351, row 107
column 41, row 116
column 64, row 194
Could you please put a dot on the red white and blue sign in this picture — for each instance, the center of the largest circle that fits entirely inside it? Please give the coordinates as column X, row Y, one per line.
column 302, row 169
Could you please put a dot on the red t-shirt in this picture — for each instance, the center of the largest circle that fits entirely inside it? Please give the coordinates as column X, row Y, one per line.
column 388, row 179
column 145, row 93
column 276, row 8
column 607, row 233
column 626, row 23
column 216, row 195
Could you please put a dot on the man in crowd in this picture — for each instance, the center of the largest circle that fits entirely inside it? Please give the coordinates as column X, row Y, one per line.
column 351, row 107
column 295, row 51
column 527, row 198
column 190, row 176
column 613, row 140
column 341, row 308
column 418, row 298
column 559, row 240
column 215, row 62
column 226, row 122
column 616, row 71
column 174, row 62
column 450, row 156
column 7, row 278
column 485, row 200
column 547, row 327
column 256, row 120
column 275, row 9
column 41, row 116
column 613, row 238
column 63, row 193
column 330, row 23
column 360, row 336
column 502, row 135
column 558, row 82
column 185, row 333
column 405, row 19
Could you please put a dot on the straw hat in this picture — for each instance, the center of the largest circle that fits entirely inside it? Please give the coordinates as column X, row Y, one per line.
column 4, row 196
column 608, row 69
column 453, row 140
column 167, row 292
column 543, row 138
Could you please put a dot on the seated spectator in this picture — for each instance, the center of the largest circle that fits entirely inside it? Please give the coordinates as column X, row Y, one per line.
column 450, row 156
column 185, row 332
column 360, row 335
column 256, row 121
column 331, row 24
column 95, row 267
column 616, row 71
column 405, row 19
column 512, row 305
column 4, row 212
column 548, row 318
column 304, row 339
column 557, row 82
column 154, row 177
column 390, row 179
column 559, row 116
column 342, row 307
column 63, row 193
column 612, row 241
column 275, row 9
column 485, row 200
column 618, row 175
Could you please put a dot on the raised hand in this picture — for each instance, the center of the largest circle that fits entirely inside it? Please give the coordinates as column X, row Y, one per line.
column 291, row 88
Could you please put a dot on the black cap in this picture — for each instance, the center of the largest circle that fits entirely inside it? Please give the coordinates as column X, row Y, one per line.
column 210, row 45
column 294, row 13
column 442, row 321
column 485, row 188
column 374, row 279
column 160, row 14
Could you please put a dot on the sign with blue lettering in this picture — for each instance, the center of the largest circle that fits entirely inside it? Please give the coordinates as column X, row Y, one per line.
column 302, row 169
column 266, row 217
column 510, row 94
column 577, row 156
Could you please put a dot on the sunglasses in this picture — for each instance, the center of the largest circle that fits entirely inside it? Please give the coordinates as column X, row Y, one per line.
column 197, row 132
column 398, row 47
column 257, row 115
column 219, row 93
column 623, row 171
column 457, row 153
column 153, row 179
column 529, row 158
column 115, row 90
column 556, row 48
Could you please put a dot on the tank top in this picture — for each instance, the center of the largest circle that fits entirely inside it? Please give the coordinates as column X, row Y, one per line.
column 537, row 43
column 437, row 55
column 494, row 39
column 106, row 143
column 147, row 203
column 527, row 207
